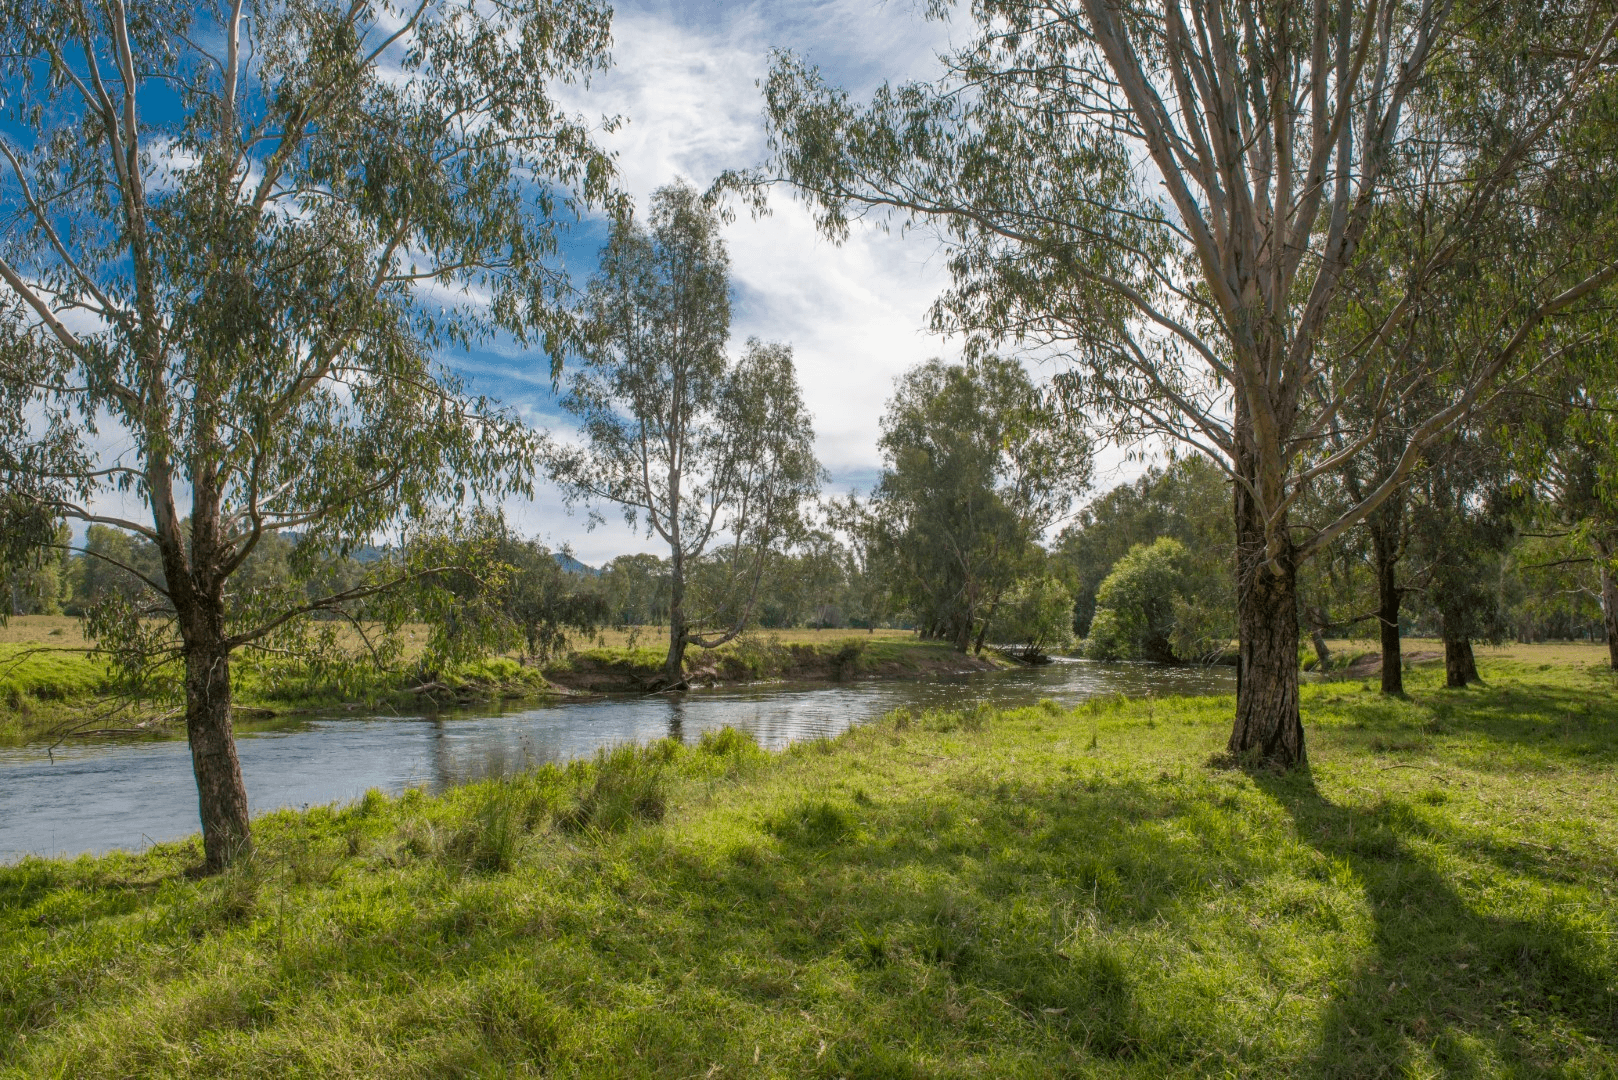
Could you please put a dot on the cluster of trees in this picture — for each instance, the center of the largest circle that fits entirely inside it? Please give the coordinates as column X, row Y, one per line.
column 1478, row 548
column 1309, row 241
column 1357, row 257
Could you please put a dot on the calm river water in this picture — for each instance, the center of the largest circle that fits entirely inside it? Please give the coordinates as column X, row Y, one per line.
column 129, row 794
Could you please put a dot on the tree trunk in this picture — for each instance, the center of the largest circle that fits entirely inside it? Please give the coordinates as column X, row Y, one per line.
column 1385, row 555
column 679, row 632
column 1268, row 724
column 1460, row 666
column 674, row 663
column 1322, row 653
column 1609, row 601
column 221, row 795
column 674, row 666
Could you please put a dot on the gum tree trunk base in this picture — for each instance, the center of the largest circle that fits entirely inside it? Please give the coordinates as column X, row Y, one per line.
column 1384, row 552
column 1460, row 666
column 221, row 795
column 674, row 666
column 1322, row 650
column 1268, row 725
column 1609, row 607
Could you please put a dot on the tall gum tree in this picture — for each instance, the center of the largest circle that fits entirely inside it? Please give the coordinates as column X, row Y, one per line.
column 1171, row 197
column 713, row 456
column 238, row 233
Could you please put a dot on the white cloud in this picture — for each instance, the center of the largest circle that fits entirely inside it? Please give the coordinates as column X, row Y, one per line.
column 684, row 78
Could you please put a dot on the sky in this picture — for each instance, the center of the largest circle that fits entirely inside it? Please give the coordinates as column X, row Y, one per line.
column 684, row 84
column 685, row 80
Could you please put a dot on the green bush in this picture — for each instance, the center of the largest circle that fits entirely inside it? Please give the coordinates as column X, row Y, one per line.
column 1135, row 605
column 1037, row 614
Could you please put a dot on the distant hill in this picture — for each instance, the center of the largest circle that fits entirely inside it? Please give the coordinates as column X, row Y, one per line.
column 572, row 565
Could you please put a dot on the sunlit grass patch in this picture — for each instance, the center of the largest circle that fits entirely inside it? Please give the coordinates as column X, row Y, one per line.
column 1041, row 891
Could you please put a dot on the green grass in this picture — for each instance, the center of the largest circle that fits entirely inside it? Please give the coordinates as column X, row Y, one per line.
column 948, row 894
column 41, row 684
column 45, row 691
column 47, row 673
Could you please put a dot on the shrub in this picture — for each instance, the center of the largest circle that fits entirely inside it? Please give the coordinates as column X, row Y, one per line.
column 1037, row 613
column 1135, row 605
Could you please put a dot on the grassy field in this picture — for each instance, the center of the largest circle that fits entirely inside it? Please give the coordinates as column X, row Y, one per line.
column 1575, row 653
column 1035, row 893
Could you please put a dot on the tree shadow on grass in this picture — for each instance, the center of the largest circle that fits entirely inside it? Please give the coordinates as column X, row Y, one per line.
column 1502, row 726
column 992, row 919
column 1446, row 986
column 951, row 920
column 989, row 925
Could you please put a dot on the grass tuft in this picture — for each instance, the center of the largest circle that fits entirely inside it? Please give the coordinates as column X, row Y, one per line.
column 625, row 786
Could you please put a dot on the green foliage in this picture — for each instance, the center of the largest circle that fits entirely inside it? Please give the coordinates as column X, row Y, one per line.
column 977, row 464
column 904, row 900
column 1135, row 605
column 1037, row 614
column 544, row 602
column 1188, row 500
column 36, row 581
column 636, row 588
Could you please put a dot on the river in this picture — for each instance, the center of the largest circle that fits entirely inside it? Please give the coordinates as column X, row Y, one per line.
column 94, row 797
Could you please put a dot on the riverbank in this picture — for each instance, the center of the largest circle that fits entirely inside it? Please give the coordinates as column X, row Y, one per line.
column 51, row 685
column 1035, row 892
column 766, row 658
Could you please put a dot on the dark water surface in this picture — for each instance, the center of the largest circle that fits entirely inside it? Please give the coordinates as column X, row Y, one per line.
column 125, row 795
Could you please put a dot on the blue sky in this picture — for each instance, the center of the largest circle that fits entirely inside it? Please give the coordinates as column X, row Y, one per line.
column 684, row 83
column 684, row 79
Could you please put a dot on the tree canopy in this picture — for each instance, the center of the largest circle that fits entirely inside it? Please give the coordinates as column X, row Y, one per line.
column 977, row 466
column 240, row 236
column 692, row 445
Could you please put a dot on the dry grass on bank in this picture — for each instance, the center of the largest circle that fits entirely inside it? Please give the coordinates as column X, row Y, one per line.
column 67, row 630
column 656, row 637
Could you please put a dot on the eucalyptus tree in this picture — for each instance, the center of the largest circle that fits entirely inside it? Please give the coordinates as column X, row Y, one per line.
column 977, row 467
column 238, row 234
column 694, row 447
column 1461, row 526
column 1172, row 197
column 1565, row 442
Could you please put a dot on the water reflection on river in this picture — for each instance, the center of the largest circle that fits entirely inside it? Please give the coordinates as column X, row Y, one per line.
column 124, row 795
